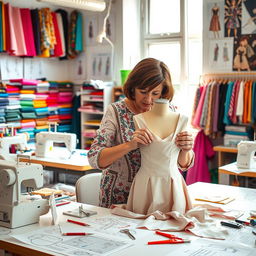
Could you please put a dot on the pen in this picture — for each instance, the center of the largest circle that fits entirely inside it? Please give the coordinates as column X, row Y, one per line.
column 243, row 222
column 170, row 242
column 78, row 222
column 68, row 202
column 76, row 234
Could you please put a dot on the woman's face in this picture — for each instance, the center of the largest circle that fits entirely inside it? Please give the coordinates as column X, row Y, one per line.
column 144, row 98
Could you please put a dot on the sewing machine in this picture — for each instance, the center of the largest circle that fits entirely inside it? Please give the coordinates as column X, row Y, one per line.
column 5, row 142
column 45, row 140
column 16, row 209
column 245, row 154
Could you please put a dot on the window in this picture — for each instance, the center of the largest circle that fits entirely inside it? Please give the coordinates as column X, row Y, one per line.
column 172, row 32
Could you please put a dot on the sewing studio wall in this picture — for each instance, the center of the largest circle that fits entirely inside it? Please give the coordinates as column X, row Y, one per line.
column 229, row 36
column 30, row 31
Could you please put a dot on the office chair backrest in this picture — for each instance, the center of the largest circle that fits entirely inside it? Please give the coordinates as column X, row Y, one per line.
column 88, row 188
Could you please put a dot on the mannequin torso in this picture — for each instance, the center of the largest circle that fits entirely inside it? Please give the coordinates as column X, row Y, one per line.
column 160, row 120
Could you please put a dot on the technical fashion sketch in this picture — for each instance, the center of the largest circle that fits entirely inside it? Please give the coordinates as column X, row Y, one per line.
column 215, row 22
column 158, row 185
column 90, row 30
column 225, row 53
column 216, row 52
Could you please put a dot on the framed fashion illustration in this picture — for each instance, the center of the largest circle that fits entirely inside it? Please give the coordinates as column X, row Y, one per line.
column 33, row 68
column 221, row 54
column 232, row 19
column 11, row 67
column 249, row 17
column 216, row 17
column 245, row 53
column 99, row 64
column 91, row 30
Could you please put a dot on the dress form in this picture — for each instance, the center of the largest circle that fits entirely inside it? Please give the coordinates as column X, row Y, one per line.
column 160, row 120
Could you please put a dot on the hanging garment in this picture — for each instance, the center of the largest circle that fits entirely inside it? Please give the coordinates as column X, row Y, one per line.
column 203, row 151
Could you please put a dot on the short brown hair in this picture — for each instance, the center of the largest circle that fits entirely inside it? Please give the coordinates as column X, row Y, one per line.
column 148, row 74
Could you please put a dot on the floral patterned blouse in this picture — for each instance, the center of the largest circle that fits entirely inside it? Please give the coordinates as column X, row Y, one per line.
column 116, row 127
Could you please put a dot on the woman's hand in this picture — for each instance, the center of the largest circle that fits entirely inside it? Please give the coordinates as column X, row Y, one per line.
column 184, row 141
column 141, row 136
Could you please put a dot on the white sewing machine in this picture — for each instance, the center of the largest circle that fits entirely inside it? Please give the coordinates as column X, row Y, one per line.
column 245, row 155
column 45, row 140
column 16, row 209
column 5, row 142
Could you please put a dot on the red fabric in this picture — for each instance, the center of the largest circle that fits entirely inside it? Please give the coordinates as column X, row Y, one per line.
column 28, row 31
column 203, row 151
column 58, row 51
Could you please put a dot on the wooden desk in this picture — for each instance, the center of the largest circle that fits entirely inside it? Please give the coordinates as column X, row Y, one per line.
column 221, row 150
column 231, row 169
column 61, row 161
column 245, row 200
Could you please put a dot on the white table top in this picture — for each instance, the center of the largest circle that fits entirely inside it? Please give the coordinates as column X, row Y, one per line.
column 245, row 199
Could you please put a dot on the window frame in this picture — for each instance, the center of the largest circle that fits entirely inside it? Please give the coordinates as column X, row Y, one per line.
column 182, row 37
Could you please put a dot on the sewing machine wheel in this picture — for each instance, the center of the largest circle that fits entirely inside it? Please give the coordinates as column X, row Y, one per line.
column 7, row 177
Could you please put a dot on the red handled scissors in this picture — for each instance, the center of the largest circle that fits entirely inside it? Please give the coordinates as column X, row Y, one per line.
column 172, row 239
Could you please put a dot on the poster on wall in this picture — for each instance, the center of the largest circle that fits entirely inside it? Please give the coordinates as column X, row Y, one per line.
column 221, row 54
column 245, row 53
column 11, row 67
column 100, row 66
column 216, row 17
column 232, row 19
column 33, row 68
column 91, row 30
column 249, row 17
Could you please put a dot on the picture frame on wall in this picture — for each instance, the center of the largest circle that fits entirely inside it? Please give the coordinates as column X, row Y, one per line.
column 221, row 54
column 99, row 64
column 216, row 17
column 249, row 17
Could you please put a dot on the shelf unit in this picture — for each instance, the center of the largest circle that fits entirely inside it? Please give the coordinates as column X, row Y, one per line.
column 94, row 103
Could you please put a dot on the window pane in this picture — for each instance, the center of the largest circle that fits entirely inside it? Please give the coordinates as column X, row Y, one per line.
column 169, row 53
column 164, row 16
column 195, row 17
column 194, row 60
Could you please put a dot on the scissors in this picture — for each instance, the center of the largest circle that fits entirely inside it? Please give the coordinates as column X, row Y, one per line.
column 172, row 239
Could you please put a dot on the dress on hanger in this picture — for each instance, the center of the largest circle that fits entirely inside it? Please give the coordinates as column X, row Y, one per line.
column 159, row 186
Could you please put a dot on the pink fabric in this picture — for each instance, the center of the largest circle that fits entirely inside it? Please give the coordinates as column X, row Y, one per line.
column 28, row 31
column 25, row 81
column 196, row 120
column 18, row 46
column 203, row 150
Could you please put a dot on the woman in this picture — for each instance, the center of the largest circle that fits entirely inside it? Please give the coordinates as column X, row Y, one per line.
column 115, row 149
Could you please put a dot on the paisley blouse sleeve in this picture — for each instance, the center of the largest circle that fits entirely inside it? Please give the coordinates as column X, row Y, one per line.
column 105, row 137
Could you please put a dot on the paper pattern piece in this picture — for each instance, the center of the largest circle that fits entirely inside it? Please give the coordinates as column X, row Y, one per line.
column 50, row 238
column 217, row 199
column 212, row 248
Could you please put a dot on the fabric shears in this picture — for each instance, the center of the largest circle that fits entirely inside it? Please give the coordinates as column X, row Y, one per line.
column 172, row 239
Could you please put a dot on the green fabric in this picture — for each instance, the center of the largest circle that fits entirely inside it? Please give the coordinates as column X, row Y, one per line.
column 214, row 175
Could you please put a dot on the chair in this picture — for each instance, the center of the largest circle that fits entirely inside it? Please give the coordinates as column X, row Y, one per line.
column 88, row 188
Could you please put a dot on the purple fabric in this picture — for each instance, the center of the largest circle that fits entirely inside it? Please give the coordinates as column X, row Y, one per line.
column 216, row 109
column 203, row 150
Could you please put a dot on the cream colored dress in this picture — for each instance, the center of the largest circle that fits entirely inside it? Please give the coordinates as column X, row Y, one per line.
column 159, row 195
column 158, row 185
